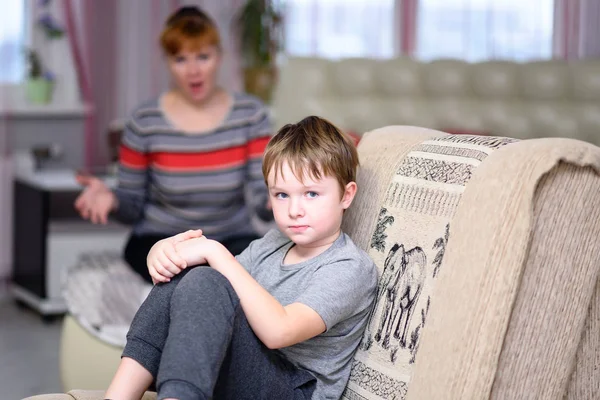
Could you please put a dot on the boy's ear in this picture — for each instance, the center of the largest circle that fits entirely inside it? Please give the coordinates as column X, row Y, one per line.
column 349, row 193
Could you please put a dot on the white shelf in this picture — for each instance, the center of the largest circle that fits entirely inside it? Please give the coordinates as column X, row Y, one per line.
column 81, row 226
column 58, row 180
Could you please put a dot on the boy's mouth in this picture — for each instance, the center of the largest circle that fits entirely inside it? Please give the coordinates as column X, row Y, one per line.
column 298, row 228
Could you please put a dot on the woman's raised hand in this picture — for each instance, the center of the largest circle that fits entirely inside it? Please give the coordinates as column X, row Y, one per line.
column 96, row 201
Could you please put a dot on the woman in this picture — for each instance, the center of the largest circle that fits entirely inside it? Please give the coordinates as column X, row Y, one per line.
column 189, row 159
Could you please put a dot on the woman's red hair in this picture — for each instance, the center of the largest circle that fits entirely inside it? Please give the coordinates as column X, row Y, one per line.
column 189, row 29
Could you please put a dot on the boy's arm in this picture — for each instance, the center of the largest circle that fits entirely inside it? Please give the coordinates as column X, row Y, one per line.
column 275, row 325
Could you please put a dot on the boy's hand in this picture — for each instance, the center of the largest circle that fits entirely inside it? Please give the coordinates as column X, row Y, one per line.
column 195, row 251
column 163, row 260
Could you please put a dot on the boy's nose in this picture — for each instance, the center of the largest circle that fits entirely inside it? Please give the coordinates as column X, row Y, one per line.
column 296, row 209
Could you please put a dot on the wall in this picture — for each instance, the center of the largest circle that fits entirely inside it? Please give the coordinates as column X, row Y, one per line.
column 62, row 127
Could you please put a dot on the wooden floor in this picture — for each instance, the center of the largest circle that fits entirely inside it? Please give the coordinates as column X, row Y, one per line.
column 28, row 352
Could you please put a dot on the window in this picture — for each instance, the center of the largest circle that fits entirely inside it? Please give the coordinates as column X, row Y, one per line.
column 339, row 28
column 12, row 41
column 476, row 30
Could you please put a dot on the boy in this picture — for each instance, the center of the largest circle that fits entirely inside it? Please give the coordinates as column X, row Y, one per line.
column 284, row 318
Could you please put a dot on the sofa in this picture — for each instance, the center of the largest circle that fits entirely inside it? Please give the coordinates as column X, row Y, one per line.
column 523, row 100
column 489, row 288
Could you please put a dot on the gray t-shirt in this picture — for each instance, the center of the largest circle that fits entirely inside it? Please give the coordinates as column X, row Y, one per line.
column 338, row 284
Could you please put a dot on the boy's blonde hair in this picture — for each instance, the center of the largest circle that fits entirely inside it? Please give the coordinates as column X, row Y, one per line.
column 313, row 146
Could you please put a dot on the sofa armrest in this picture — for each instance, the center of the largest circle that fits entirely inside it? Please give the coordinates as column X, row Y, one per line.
column 83, row 395
column 53, row 396
column 518, row 276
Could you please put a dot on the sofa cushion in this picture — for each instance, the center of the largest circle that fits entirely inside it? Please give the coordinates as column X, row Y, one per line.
column 408, row 244
column 535, row 99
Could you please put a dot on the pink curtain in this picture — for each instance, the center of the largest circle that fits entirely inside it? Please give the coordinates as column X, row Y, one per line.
column 590, row 29
column 577, row 29
column 6, row 195
column 78, row 41
column 406, row 25
column 567, row 29
column 92, row 43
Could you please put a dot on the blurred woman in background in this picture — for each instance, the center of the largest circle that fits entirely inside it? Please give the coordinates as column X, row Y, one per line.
column 189, row 159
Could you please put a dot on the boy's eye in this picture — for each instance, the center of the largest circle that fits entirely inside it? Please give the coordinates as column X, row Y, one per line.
column 281, row 196
column 179, row 59
column 203, row 56
column 312, row 195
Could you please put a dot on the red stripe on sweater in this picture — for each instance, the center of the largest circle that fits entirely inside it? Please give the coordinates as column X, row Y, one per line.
column 196, row 169
column 256, row 147
column 208, row 161
column 132, row 158
column 200, row 161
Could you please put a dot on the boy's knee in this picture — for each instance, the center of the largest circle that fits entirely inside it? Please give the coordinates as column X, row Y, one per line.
column 204, row 279
column 204, row 274
column 206, row 285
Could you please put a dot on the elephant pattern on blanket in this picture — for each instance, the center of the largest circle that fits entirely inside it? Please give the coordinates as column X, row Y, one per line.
column 408, row 245
column 397, row 295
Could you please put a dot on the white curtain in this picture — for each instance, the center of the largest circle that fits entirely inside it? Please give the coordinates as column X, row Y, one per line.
column 340, row 28
column 473, row 30
column 484, row 29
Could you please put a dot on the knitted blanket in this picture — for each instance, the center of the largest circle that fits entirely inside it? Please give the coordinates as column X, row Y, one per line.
column 103, row 294
column 408, row 245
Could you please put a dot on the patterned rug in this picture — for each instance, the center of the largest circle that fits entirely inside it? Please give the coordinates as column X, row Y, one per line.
column 408, row 244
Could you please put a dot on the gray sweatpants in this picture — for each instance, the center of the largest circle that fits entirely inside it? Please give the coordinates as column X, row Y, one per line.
column 192, row 335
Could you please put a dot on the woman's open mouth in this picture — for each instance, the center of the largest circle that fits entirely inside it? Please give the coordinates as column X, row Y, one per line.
column 196, row 87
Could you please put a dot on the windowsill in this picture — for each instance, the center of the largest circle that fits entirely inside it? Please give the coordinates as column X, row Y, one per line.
column 46, row 110
column 64, row 104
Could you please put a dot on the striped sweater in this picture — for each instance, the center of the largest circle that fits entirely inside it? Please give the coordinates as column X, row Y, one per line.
column 170, row 181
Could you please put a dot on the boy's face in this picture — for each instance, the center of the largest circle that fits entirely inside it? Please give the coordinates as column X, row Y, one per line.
column 310, row 212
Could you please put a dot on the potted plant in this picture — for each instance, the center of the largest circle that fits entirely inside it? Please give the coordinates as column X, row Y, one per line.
column 258, row 28
column 40, row 81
